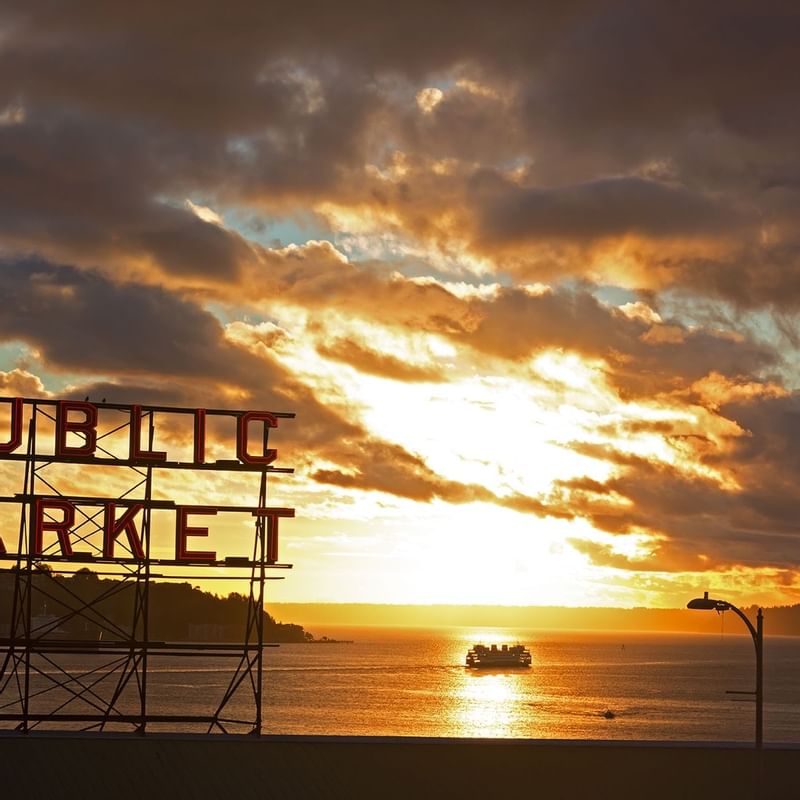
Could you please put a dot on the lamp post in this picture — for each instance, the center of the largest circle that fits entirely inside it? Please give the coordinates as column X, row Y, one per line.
column 706, row 603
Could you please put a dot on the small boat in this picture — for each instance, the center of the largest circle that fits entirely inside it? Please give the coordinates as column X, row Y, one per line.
column 608, row 714
column 481, row 656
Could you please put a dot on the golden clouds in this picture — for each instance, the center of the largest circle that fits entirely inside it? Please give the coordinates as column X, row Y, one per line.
column 715, row 390
column 21, row 383
column 513, row 270
column 429, row 98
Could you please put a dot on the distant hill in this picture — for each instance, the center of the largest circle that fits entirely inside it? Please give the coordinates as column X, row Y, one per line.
column 778, row 621
column 178, row 611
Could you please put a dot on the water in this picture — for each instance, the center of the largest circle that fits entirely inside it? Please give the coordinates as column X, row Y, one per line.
column 403, row 682
column 413, row 683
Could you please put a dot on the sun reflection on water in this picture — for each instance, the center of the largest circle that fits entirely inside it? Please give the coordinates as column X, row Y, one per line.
column 486, row 704
column 490, row 703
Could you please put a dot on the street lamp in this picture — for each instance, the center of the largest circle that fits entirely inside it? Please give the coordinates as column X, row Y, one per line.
column 705, row 603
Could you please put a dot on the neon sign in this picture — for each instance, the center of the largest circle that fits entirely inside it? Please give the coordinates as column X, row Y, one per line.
column 60, row 452
column 74, row 438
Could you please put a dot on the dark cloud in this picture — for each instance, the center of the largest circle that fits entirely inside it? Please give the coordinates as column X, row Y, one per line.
column 643, row 359
column 385, row 467
column 598, row 121
column 195, row 46
column 153, row 343
column 702, row 523
column 370, row 361
column 640, row 143
column 79, row 189
column 632, row 77
column 611, row 207
column 81, row 321
column 381, row 466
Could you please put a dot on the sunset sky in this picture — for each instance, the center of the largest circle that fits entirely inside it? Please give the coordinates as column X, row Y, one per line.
column 528, row 274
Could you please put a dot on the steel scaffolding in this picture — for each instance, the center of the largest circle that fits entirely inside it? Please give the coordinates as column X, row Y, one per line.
column 98, row 679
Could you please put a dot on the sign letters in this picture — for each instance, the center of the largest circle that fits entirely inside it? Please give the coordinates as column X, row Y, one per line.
column 78, row 434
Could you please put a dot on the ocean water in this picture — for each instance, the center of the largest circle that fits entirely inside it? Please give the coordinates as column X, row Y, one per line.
column 414, row 683
column 407, row 682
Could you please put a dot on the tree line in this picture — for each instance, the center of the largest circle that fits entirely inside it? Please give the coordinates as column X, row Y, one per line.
column 178, row 612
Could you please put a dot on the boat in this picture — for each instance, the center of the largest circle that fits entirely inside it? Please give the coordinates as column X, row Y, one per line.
column 481, row 656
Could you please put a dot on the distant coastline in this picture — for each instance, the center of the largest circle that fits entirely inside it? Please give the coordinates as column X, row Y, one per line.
column 779, row 621
column 328, row 640
column 179, row 612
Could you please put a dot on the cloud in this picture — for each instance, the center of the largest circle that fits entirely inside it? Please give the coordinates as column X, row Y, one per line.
column 21, row 383
column 532, row 139
column 573, row 150
column 589, row 147
column 740, row 512
column 383, row 365
column 381, row 466
column 516, row 324
column 86, row 192
column 385, row 467
column 612, row 207
column 643, row 357
column 84, row 322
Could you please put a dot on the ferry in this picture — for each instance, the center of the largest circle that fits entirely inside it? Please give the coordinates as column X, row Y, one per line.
column 483, row 657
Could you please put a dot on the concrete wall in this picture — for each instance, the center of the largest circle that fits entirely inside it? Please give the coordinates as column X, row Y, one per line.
column 71, row 766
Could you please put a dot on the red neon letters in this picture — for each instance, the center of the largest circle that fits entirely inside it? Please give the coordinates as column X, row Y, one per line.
column 200, row 436
column 43, row 507
column 136, row 452
column 75, row 432
column 87, row 426
column 15, row 439
column 81, row 418
column 242, row 453
column 57, row 515
column 182, row 530
column 273, row 515
column 113, row 527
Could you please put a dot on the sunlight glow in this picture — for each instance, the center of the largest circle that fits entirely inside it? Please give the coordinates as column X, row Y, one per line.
column 512, row 432
column 486, row 704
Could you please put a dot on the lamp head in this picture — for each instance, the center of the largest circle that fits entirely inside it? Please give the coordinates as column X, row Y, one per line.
column 706, row 603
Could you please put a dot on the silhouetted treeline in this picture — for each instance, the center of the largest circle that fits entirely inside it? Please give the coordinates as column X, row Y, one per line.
column 778, row 620
column 177, row 611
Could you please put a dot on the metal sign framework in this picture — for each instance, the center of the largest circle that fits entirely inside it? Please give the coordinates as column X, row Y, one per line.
column 100, row 681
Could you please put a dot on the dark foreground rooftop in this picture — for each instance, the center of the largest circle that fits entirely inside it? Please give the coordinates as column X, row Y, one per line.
column 195, row 767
